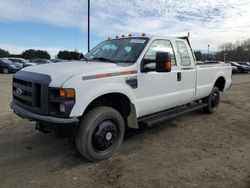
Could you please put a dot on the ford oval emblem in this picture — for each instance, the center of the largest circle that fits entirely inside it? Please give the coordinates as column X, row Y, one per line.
column 19, row 91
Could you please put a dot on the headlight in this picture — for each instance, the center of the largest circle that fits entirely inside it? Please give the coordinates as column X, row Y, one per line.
column 62, row 101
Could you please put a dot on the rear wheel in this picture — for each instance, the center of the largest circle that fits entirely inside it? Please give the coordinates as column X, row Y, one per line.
column 212, row 101
column 100, row 133
column 5, row 71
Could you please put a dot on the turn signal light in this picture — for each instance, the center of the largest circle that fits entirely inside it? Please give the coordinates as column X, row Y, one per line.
column 168, row 66
column 67, row 93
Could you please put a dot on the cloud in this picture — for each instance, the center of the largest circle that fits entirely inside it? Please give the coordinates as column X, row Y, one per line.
column 209, row 22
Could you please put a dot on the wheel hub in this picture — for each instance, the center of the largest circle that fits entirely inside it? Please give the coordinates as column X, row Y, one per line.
column 215, row 100
column 105, row 136
column 108, row 136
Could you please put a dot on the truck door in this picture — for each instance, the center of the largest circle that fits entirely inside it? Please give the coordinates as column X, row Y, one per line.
column 187, row 73
column 157, row 91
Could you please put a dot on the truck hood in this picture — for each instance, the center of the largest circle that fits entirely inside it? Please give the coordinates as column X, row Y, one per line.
column 60, row 72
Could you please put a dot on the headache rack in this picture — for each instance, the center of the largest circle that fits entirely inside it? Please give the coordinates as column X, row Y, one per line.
column 188, row 41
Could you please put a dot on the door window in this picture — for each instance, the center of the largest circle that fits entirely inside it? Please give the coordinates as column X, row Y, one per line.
column 183, row 53
column 160, row 46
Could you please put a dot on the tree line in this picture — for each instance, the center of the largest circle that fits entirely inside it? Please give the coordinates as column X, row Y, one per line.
column 238, row 51
column 42, row 54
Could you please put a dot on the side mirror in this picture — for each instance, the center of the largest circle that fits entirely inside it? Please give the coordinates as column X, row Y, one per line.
column 163, row 62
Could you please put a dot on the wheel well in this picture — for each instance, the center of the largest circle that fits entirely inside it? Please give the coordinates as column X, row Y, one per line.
column 220, row 83
column 118, row 101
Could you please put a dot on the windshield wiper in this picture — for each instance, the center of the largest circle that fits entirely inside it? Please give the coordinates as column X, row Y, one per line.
column 103, row 59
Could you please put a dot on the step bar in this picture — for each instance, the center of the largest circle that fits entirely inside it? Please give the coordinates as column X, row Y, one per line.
column 159, row 117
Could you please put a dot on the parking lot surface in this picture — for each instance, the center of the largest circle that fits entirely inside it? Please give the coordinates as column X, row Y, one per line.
column 196, row 150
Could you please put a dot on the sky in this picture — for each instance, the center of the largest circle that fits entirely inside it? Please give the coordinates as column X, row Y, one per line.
column 55, row 25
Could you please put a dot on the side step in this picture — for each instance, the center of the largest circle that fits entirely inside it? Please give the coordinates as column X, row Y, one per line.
column 158, row 117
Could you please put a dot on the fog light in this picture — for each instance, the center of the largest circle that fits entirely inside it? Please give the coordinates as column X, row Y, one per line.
column 62, row 108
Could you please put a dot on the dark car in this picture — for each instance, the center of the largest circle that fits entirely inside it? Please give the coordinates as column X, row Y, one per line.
column 241, row 68
column 234, row 69
column 7, row 66
column 245, row 64
column 24, row 62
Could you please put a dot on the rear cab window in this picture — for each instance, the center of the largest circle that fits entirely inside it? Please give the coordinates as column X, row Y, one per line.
column 183, row 52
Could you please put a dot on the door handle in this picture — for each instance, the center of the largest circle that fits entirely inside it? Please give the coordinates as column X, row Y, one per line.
column 178, row 76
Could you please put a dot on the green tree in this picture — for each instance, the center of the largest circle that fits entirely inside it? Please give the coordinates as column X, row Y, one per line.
column 68, row 55
column 4, row 53
column 35, row 54
column 198, row 55
column 239, row 51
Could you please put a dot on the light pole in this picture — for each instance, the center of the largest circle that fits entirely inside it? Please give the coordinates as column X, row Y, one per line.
column 88, row 25
column 208, row 52
column 225, row 54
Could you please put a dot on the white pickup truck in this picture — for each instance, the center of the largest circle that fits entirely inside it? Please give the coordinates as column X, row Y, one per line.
column 122, row 83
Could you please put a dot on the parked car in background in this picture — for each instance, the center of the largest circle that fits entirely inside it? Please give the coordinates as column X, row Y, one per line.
column 241, row 68
column 234, row 69
column 199, row 62
column 17, row 64
column 57, row 60
column 245, row 64
column 40, row 61
column 24, row 62
column 211, row 62
column 7, row 66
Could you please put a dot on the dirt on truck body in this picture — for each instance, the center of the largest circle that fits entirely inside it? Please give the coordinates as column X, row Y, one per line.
column 195, row 150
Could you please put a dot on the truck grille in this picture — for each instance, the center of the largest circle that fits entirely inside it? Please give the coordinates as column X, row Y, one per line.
column 31, row 91
column 23, row 92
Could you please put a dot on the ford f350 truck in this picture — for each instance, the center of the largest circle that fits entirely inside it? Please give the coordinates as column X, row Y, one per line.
column 122, row 83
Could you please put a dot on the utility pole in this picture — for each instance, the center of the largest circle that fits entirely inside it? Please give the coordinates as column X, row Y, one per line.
column 88, row 25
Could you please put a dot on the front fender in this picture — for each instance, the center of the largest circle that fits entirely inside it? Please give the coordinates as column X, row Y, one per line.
column 88, row 91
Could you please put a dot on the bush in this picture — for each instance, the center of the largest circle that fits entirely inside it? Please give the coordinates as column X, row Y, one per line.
column 35, row 54
column 4, row 53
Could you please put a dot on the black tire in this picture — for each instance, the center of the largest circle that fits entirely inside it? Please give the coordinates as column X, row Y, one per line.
column 100, row 133
column 6, row 71
column 212, row 101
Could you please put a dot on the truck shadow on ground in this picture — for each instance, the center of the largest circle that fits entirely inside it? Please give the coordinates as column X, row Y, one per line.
column 31, row 148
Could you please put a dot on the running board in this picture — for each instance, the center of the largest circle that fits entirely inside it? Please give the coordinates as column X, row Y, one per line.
column 158, row 117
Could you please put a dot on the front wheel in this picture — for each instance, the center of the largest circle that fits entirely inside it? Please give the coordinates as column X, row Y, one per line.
column 100, row 133
column 212, row 101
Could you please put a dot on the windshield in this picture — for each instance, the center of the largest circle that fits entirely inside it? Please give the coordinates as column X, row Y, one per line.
column 124, row 50
column 7, row 61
